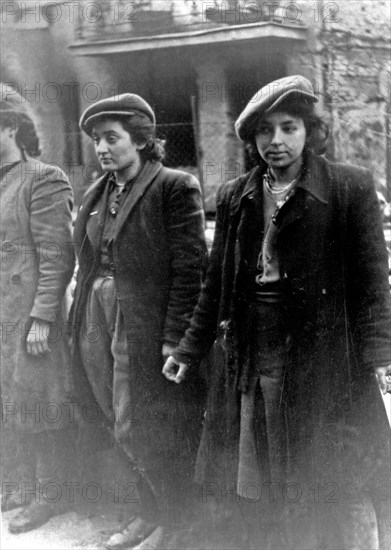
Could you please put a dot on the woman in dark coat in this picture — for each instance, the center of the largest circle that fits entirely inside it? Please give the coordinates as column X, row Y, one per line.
column 296, row 301
column 139, row 238
column 36, row 267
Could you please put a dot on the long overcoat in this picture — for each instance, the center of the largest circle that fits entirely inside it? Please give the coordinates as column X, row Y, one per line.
column 37, row 263
column 159, row 256
column 333, row 267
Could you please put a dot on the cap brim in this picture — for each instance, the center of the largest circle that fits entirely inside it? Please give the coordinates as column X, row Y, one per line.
column 87, row 123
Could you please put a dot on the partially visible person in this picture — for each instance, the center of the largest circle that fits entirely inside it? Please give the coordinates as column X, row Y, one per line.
column 385, row 209
column 36, row 266
column 297, row 298
column 139, row 237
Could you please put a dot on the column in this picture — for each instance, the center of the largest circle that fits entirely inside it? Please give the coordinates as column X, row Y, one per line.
column 219, row 148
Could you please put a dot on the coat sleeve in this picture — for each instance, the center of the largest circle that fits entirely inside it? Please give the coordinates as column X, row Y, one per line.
column 51, row 203
column 201, row 334
column 188, row 254
column 368, row 271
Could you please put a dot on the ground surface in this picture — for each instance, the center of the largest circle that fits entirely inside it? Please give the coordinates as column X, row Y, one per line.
column 66, row 532
column 88, row 526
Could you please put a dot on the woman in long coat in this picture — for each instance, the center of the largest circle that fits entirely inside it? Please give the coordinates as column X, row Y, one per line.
column 296, row 301
column 139, row 238
column 36, row 267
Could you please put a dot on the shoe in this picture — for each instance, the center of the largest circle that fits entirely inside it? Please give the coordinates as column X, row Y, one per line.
column 159, row 539
column 134, row 533
column 35, row 515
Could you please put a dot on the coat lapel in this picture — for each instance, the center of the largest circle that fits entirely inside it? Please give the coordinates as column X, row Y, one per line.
column 247, row 220
column 143, row 181
column 293, row 211
column 248, row 186
column 312, row 186
column 90, row 198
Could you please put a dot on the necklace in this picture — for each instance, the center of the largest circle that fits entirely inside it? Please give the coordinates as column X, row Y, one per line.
column 114, row 205
column 281, row 190
column 268, row 179
column 279, row 196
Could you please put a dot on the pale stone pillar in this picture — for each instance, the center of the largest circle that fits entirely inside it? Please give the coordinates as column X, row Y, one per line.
column 219, row 148
column 97, row 79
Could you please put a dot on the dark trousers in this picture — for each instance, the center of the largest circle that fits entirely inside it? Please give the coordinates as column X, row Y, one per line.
column 263, row 434
column 264, row 456
column 106, row 361
column 44, row 468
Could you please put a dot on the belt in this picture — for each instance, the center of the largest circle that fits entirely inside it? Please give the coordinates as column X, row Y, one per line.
column 269, row 297
column 269, row 292
column 106, row 271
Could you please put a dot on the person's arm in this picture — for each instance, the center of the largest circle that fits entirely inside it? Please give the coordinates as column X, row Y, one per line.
column 383, row 375
column 188, row 256
column 50, row 224
column 201, row 333
column 369, row 275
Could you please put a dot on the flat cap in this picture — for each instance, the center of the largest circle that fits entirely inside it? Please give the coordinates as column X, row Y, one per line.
column 269, row 97
column 119, row 105
column 12, row 102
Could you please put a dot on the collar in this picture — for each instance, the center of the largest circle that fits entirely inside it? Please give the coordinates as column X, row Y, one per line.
column 312, row 180
column 313, row 177
column 112, row 182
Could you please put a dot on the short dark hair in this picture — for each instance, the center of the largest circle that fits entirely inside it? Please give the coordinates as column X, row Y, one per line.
column 317, row 128
column 15, row 113
column 142, row 131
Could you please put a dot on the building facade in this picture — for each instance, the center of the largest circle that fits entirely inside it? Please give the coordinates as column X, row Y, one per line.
column 198, row 63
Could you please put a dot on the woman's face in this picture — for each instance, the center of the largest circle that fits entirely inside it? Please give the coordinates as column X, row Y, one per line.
column 9, row 151
column 114, row 146
column 280, row 139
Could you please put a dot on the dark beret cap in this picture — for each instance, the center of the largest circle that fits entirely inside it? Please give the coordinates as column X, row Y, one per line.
column 269, row 97
column 119, row 105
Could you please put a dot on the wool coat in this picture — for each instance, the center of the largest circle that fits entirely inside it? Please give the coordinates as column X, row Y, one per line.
column 158, row 257
column 333, row 268
column 37, row 263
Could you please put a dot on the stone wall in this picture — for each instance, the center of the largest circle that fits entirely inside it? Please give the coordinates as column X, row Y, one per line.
column 347, row 57
column 348, row 60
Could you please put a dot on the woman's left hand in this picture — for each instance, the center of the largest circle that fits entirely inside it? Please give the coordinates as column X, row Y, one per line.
column 37, row 339
column 383, row 375
column 174, row 371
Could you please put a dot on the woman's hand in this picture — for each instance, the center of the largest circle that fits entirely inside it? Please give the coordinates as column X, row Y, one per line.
column 383, row 375
column 174, row 371
column 37, row 338
column 167, row 350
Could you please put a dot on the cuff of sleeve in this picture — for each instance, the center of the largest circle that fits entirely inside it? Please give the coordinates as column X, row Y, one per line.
column 47, row 316
column 39, row 319
column 188, row 360
column 170, row 341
